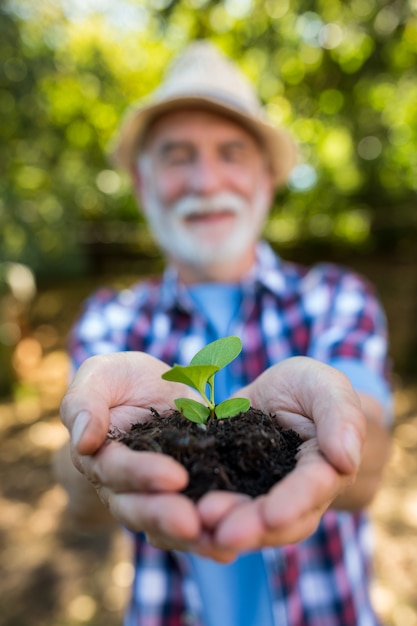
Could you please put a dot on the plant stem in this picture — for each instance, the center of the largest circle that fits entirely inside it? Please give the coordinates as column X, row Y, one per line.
column 206, row 400
column 211, row 385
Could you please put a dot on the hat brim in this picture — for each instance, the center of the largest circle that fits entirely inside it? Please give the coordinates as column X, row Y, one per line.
column 280, row 147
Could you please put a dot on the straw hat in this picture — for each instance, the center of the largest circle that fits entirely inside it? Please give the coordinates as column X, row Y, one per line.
column 203, row 77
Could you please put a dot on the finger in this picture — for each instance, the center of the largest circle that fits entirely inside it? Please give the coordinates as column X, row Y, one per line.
column 341, row 429
column 89, row 432
column 299, row 530
column 203, row 546
column 169, row 518
column 215, row 505
column 120, row 469
column 243, row 528
column 310, row 487
column 254, row 535
column 208, row 548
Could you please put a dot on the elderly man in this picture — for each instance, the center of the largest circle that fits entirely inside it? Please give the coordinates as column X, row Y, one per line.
column 205, row 163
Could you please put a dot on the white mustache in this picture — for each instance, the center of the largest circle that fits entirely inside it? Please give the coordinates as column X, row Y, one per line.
column 196, row 205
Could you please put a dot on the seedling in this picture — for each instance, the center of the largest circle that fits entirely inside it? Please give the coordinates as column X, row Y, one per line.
column 200, row 374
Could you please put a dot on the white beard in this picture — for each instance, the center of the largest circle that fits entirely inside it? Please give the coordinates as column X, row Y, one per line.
column 189, row 244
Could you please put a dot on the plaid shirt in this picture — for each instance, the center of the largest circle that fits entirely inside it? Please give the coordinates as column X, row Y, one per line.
column 325, row 312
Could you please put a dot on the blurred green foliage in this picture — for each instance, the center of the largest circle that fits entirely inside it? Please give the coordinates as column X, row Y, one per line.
column 342, row 76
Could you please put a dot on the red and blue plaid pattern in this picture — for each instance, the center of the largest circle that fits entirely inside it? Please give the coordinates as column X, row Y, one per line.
column 324, row 312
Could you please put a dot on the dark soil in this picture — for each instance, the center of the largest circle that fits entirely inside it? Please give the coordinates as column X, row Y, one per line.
column 248, row 453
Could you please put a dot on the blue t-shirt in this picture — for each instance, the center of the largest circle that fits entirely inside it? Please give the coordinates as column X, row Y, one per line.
column 235, row 594
column 224, row 302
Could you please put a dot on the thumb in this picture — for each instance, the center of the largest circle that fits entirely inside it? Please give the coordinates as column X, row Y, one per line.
column 88, row 433
column 114, row 388
column 87, row 417
column 341, row 429
column 85, row 408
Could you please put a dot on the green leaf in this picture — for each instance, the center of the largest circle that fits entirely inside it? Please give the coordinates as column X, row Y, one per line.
column 200, row 374
column 195, row 376
column 220, row 352
column 193, row 410
column 232, row 407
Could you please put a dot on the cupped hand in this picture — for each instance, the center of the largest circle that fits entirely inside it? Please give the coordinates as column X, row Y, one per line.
column 319, row 403
column 140, row 488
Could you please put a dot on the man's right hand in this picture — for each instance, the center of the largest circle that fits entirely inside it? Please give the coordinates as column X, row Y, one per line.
column 141, row 489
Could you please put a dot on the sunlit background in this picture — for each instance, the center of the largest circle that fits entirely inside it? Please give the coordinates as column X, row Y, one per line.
column 342, row 77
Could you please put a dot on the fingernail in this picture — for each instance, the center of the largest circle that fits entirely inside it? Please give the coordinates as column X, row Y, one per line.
column 79, row 426
column 352, row 446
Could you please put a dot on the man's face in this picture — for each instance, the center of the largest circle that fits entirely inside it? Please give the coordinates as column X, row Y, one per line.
column 205, row 188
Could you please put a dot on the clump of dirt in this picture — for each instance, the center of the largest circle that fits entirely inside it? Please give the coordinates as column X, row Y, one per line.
column 247, row 453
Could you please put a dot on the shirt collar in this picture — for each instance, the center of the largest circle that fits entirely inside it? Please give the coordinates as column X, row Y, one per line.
column 267, row 272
